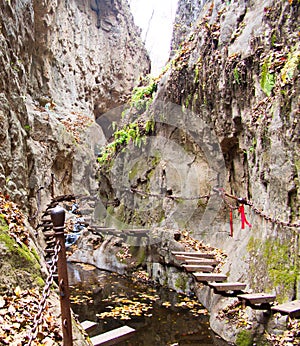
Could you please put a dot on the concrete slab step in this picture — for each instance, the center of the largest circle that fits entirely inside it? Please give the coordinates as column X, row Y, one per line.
column 193, row 254
column 113, row 337
column 291, row 308
column 208, row 277
column 257, row 298
column 228, row 286
column 204, row 261
column 198, row 268
column 88, row 326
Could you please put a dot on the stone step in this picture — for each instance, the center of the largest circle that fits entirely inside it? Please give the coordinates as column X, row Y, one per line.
column 198, row 268
column 113, row 337
column 193, row 254
column 88, row 326
column 257, row 298
column 291, row 308
column 228, row 286
column 204, row 261
column 208, row 277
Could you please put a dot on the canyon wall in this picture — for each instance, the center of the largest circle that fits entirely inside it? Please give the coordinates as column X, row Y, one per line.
column 226, row 111
column 63, row 64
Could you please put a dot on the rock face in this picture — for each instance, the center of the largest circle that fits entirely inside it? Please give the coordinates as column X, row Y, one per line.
column 88, row 50
column 77, row 58
column 239, row 70
column 235, row 76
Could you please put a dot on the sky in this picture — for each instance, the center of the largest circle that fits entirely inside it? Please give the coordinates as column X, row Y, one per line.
column 155, row 18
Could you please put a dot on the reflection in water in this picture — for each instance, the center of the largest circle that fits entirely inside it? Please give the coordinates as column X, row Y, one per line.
column 161, row 317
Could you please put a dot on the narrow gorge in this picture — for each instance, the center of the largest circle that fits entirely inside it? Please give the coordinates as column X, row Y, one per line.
column 153, row 170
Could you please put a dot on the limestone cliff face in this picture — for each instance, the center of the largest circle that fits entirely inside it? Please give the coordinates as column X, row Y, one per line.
column 79, row 59
column 86, row 53
column 235, row 80
column 238, row 68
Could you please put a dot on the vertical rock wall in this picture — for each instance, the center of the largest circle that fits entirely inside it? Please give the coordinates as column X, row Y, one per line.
column 238, row 68
column 61, row 63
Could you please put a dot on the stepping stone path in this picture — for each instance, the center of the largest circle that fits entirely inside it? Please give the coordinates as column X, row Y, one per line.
column 112, row 337
column 257, row 298
column 88, row 326
column 201, row 266
column 207, row 277
column 228, row 286
column 291, row 308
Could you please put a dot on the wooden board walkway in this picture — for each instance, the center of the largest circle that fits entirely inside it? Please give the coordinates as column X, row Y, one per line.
column 257, row 298
column 193, row 254
column 198, row 268
column 291, row 308
column 228, row 286
column 113, row 337
column 207, row 277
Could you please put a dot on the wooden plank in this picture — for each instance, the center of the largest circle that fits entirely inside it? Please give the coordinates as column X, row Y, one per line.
column 209, row 277
column 113, row 337
column 204, row 261
column 199, row 268
column 291, row 308
column 193, row 254
column 88, row 326
column 228, row 286
column 257, row 298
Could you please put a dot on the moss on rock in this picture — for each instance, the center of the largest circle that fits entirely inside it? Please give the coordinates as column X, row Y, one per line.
column 274, row 261
column 19, row 265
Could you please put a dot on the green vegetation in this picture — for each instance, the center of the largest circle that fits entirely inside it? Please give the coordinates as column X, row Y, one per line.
column 181, row 282
column 19, row 257
column 236, row 75
column 291, row 66
column 142, row 96
column 133, row 132
column 244, row 338
column 267, row 79
column 130, row 133
column 196, row 77
column 27, row 128
column 275, row 259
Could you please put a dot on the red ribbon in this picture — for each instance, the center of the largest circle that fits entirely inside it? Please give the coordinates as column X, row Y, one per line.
column 243, row 217
column 231, row 223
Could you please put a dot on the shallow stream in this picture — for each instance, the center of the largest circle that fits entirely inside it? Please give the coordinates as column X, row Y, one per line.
column 160, row 316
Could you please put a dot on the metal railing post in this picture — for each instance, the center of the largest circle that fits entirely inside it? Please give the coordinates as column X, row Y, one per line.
column 58, row 220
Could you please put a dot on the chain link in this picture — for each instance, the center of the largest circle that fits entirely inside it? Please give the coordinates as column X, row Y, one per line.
column 269, row 218
column 46, row 293
column 222, row 194
column 160, row 195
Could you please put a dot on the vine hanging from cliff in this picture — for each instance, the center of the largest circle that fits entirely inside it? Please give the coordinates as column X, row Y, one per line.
column 137, row 125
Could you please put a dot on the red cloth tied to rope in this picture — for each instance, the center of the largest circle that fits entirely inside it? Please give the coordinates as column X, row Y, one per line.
column 243, row 217
column 231, row 222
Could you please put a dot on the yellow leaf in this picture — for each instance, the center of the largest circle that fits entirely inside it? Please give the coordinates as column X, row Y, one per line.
column 2, row 302
column 18, row 291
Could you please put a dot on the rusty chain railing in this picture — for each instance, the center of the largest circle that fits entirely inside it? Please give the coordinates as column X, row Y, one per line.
column 38, row 319
column 222, row 193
